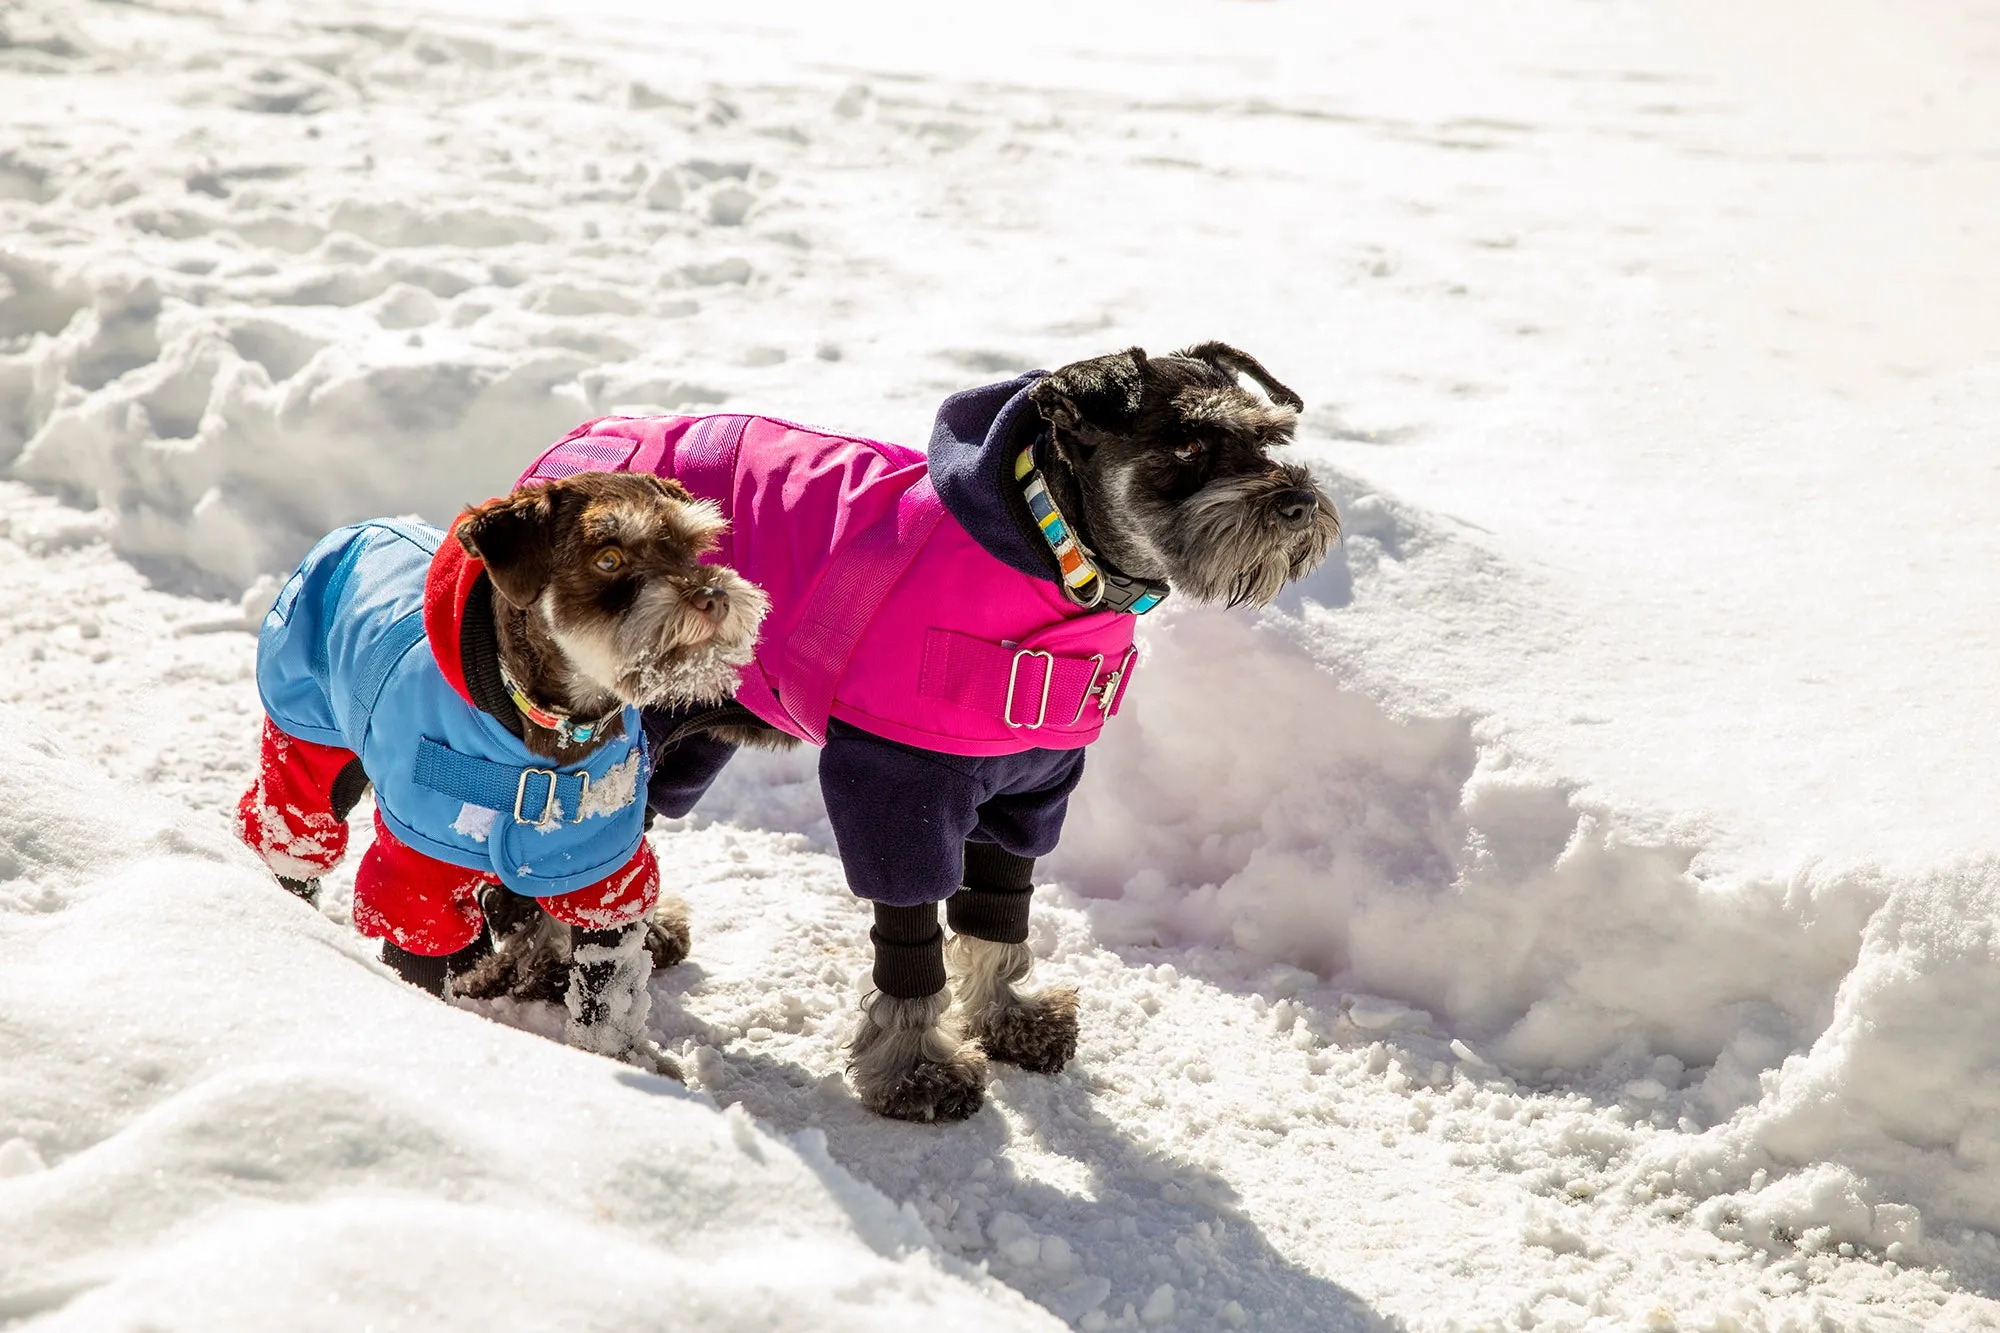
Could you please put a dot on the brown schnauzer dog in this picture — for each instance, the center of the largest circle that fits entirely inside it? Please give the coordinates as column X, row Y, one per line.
column 487, row 683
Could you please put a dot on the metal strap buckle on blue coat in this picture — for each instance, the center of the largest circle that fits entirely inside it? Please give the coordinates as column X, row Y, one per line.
column 482, row 782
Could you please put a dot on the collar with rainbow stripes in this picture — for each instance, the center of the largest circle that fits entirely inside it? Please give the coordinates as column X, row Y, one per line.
column 1084, row 582
column 566, row 728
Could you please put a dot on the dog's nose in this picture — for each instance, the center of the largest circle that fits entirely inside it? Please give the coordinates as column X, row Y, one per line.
column 1296, row 506
column 710, row 600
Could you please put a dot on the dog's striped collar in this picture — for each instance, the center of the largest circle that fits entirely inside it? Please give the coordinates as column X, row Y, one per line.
column 1084, row 582
column 566, row 728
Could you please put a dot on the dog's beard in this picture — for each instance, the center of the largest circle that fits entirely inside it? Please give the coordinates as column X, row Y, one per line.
column 1226, row 543
column 664, row 653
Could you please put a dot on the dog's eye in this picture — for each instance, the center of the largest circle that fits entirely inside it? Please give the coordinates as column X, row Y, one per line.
column 1187, row 453
column 609, row 560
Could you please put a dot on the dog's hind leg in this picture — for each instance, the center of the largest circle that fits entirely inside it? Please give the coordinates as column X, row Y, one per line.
column 668, row 936
column 431, row 972
column 988, row 957
column 530, row 955
column 909, row 1057
column 608, row 999
column 295, row 814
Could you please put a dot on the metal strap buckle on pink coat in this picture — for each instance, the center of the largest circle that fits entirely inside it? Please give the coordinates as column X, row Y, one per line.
column 1112, row 692
column 1026, row 689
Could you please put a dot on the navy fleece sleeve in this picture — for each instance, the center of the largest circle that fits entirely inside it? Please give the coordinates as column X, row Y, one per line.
column 682, row 769
column 900, row 816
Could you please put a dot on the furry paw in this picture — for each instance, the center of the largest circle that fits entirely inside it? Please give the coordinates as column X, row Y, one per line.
column 530, row 964
column 653, row 1060
column 932, row 1090
column 910, row 1062
column 1038, row 1033
column 667, row 934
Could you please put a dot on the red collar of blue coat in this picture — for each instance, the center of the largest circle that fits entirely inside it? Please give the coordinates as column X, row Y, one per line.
column 454, row 577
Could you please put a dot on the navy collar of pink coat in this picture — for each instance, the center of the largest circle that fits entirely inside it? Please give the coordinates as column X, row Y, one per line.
column 979, row 435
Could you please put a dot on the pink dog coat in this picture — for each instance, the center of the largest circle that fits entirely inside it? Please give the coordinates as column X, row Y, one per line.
column 885, row 612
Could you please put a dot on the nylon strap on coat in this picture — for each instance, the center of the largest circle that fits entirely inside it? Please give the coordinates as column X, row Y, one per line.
column 1029, row 689
column 526, row 794
column 396, row 642
column 845, row 600
column 848, row 594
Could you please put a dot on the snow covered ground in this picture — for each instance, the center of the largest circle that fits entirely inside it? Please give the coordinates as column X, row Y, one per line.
column 1575, row 907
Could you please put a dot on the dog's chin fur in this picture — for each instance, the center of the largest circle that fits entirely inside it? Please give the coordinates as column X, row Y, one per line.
column 1227, row 544
column 663, row 652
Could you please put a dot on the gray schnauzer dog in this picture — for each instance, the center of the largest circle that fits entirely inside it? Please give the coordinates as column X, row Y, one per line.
column 987, row 644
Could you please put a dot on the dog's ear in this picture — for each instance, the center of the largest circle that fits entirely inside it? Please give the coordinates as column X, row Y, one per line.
column 1235, row 361
column 670, row 487
column 515, row 536
column 1103, row 393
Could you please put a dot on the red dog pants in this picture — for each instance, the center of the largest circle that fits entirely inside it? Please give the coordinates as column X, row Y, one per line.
column 425, row 905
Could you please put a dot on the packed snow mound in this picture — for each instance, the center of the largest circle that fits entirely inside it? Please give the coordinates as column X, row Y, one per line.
column 272, row 1118
column 1837, row 1019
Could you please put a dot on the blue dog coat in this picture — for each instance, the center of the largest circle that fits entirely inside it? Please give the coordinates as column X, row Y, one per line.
column 350, row 656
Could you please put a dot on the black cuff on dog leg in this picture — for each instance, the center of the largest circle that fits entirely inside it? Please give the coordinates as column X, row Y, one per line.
column 992, row 867
column 993, row 905
column 306, row 890
column 999, row 918
column 348, row 786
column 909, row 951
column 427, row 972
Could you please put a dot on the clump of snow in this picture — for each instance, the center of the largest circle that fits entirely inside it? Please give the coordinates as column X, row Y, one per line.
column 1898, row 1098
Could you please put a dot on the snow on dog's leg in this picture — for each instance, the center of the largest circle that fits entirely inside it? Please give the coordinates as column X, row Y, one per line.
column 909, row 1058
column 425, row 911
column 988, row 957
column 610, row 963
column 609, row 1000
column 295, row 815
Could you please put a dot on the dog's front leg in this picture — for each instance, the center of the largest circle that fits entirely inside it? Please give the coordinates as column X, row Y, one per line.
column 988, row 957
column 909, row 1058
column 608, row 999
